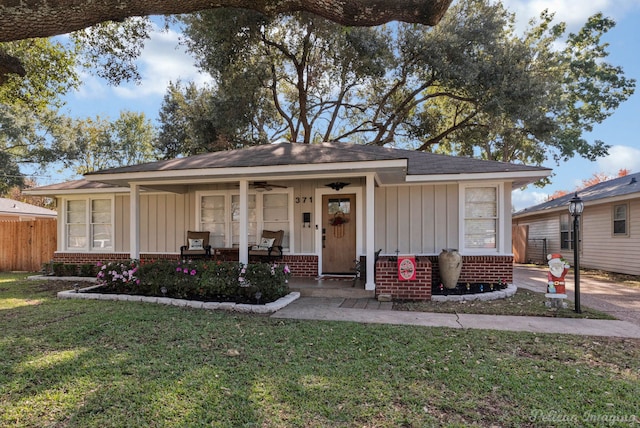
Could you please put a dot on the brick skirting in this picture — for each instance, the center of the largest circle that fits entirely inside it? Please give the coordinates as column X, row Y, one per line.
column 475, row 269
column 303, row 266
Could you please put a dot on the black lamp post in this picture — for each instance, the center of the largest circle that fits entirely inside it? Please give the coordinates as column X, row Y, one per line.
column 575, row 208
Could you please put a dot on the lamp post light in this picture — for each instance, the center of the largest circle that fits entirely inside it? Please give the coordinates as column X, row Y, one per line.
column 576, row 206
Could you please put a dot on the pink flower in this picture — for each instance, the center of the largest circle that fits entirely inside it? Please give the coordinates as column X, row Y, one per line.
column 193, row 272
column 178, row 269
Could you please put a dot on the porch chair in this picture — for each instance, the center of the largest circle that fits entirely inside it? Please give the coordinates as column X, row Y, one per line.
column 270, row 245
column 197, row 246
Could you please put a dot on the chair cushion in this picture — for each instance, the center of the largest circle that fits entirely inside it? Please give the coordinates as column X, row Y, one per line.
column 196, row 244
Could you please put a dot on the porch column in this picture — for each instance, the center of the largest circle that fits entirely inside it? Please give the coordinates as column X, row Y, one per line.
column 134, row 221
column 244, row 222
column 370, row 232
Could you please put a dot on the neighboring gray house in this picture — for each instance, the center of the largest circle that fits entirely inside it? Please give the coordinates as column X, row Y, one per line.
column 609, row 227
column 16, row 210
column 335, row 203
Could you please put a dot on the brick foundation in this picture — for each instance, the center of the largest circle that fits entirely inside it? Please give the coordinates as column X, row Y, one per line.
column 387, row 281
column 302, row 266
column 475, row 269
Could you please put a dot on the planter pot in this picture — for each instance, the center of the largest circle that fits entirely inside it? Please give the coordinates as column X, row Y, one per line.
column 450, row 264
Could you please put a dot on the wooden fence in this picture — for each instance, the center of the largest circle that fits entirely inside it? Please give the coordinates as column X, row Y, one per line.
column 26, row 245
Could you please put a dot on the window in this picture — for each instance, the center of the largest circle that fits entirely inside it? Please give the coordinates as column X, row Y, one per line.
column 566, row 240
column 88, row 224
column 480, row 217
column 220, row 215
column 620, row 220
column 275, row 214
column 213, row 219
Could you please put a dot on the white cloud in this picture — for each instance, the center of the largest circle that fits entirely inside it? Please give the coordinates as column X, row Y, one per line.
column 620, row 157
column 521, row 199
column 162, row 61
column 573, row 12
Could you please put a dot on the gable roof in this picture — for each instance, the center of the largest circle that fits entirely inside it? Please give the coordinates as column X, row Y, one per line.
column 283, row 160
column 17, row 208
column 600, row 192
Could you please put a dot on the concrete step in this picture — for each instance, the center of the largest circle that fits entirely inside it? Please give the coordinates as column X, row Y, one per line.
column 343, row 292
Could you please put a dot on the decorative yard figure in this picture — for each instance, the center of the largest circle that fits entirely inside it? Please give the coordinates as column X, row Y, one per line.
column 558, row 269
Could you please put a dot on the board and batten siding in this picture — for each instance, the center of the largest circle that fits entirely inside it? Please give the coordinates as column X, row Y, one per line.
column 416, row 219
column 164, row 220
column 601, row 249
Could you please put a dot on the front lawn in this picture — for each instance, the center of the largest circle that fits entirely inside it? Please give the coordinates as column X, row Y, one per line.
column 82, row 363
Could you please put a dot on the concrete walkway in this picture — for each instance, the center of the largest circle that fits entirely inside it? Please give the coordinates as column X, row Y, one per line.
column 622, row 302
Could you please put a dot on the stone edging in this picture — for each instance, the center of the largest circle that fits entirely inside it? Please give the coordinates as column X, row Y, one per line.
column 492, row 295
column 196, row 304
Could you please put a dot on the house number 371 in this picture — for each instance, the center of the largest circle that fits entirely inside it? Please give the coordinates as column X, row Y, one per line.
column 304, row 199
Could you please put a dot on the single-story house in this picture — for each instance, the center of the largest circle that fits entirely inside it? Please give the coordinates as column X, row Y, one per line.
column 21, row 211
column 609, row 231
column 335, row 203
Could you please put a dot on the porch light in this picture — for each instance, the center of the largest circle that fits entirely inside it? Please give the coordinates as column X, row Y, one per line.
column 576, row 206
column 337, row 185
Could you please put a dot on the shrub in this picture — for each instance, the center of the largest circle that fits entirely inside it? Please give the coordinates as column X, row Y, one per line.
column 88, row 269
column 219, row 280
column 119, row 276
column 203, row 280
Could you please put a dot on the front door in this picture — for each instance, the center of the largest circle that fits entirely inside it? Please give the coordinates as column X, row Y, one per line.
column 338, row 233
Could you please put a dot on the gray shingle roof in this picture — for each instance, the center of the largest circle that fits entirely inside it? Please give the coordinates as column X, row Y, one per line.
column 10, row 206
column 419, row 163
column 616, row 187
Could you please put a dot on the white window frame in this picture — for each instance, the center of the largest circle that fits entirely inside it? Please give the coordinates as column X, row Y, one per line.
column 626, row 220
column 259, row 213
column 88, row 225
column 500, row 218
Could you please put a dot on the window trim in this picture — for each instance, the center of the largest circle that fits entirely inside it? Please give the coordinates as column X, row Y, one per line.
column 88, row 225
column 626, row 221
column 500, row 218
column 228, row 238
column 568, row 231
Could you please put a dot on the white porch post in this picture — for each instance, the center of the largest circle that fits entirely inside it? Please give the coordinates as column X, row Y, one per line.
column 244, row 222
column 134, row 221
column 370, row 233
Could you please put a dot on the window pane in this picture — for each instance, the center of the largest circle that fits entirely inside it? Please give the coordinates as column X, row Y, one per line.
column 480, row 233
column 481, row 202
column 276, row 207
column 339, row 205
column 620, row 227
column 101, row 236
column 76, row 212
column 216, row 236
column 620, row 212
column 76, row 236
column 212, row 209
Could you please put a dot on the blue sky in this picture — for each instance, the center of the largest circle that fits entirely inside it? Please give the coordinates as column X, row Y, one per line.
column 164, row 61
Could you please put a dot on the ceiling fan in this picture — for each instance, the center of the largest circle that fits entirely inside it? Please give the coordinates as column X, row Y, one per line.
column 261, row 186
column 266, row 186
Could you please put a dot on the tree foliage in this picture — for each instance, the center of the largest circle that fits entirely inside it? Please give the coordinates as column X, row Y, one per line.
column 470, row 86
column 29, row 104
column 94, row 144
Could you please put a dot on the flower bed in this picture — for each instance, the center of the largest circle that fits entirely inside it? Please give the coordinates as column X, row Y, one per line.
column 207, row 281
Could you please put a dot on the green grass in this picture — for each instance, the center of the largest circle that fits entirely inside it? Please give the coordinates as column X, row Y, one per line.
column 524, row 302
column 79, row 363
